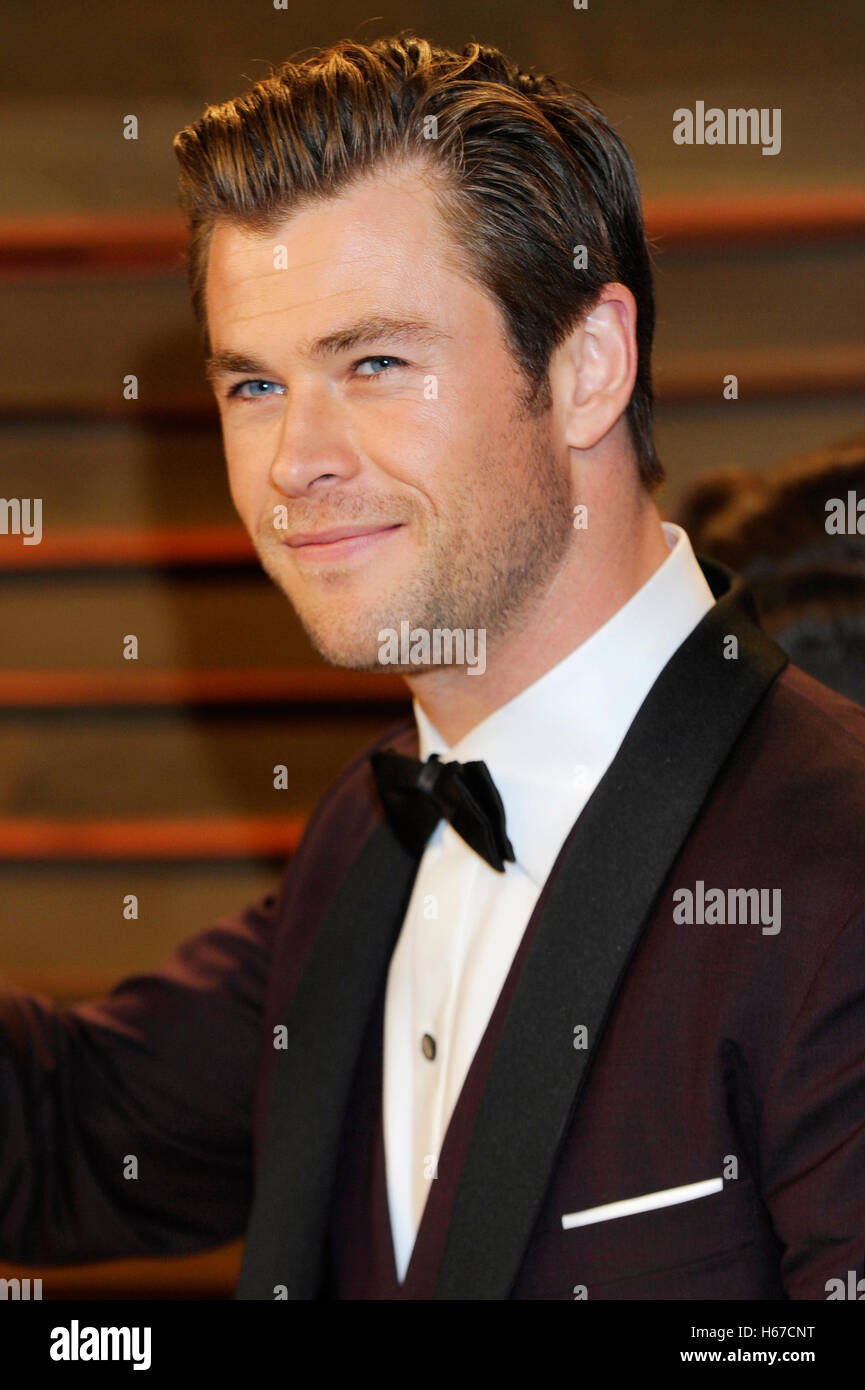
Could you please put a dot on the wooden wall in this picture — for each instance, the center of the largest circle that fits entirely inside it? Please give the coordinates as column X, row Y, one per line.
column 155, row 777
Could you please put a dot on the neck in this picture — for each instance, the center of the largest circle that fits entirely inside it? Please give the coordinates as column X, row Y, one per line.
column 603, row 568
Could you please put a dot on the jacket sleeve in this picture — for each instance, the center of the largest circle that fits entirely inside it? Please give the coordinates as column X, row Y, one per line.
column 125, row 1123
column 813, row 1128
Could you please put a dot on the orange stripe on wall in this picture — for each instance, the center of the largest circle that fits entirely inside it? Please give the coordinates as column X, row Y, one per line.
column 157, row 240
column 312, row 685
column 162, row 838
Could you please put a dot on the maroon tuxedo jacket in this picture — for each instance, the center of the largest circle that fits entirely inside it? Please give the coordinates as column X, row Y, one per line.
column 632, row 1050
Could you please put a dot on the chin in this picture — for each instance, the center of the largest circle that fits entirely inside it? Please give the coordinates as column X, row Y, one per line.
column 349, row 656
column 344, row 647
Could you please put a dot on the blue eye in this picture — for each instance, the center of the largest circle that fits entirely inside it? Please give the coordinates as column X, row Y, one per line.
column 397, row 361
column 270, row 388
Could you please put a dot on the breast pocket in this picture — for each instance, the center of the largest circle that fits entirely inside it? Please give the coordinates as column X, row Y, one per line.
column 667, row 1251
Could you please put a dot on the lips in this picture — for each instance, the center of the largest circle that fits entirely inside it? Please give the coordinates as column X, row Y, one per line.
column 340, row 545
column 302, row 539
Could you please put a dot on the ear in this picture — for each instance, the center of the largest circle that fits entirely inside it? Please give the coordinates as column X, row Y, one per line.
column 592, row 372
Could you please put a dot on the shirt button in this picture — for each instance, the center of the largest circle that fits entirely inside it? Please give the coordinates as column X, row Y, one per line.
column 428, row 1046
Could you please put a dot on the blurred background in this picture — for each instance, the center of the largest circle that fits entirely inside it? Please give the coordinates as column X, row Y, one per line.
column 154, row 778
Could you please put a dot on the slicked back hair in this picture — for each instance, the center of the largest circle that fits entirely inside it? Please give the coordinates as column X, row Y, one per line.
column 525, row 171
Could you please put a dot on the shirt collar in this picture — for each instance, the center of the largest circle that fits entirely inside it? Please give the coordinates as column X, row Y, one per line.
column 548, row 747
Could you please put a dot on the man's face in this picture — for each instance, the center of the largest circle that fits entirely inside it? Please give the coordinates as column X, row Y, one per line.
column 376, row 448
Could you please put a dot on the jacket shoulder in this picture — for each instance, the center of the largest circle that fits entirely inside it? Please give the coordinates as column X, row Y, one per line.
column 795, row 784
column 345, row 816
column 351, row 798
column 823, row 704
column 815, row 714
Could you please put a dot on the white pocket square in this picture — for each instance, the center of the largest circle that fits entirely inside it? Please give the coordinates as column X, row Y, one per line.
column 668, row 1197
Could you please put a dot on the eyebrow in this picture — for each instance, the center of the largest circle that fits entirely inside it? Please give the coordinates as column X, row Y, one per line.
column 365, row 330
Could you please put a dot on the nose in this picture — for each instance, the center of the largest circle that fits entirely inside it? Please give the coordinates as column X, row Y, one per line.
column 314, row 450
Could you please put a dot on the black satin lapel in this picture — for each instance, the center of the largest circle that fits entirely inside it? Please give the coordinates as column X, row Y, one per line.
column 601, row 892
column 288, row 1226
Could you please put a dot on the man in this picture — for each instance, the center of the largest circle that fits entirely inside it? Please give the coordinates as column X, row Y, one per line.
column 789, row 533
column 563, row 994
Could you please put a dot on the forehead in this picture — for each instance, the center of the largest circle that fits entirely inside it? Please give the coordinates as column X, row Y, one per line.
column 380, row 246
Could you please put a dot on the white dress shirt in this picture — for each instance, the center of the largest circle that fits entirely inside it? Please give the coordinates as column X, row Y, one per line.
column 546, row 750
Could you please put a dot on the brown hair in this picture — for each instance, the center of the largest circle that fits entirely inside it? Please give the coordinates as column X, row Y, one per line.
column 808, row 584
column 530, row 172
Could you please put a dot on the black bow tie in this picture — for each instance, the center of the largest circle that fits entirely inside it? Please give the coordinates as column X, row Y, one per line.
column 416, row 795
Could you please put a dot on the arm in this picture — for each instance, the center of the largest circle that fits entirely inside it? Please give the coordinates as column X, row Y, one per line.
column 813, row 1126
column 161, row 1071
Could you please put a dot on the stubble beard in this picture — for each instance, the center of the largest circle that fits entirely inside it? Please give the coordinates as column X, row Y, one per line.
column 482, row 573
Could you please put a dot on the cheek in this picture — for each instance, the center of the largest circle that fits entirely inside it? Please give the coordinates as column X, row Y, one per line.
column 412, row 447
column 246, row 479
column 458, row 461
column 244, row 494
